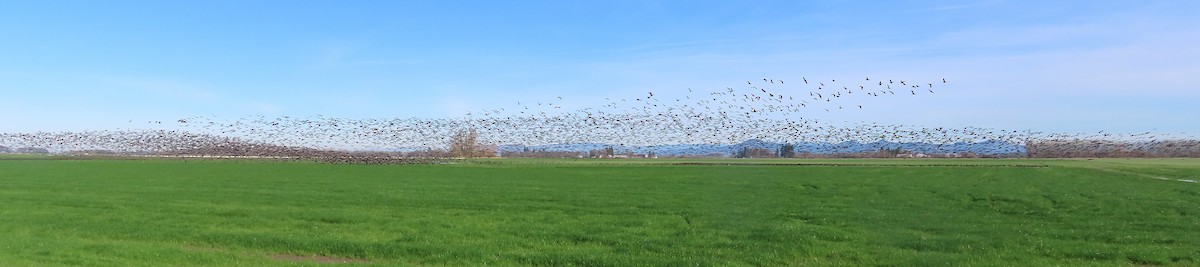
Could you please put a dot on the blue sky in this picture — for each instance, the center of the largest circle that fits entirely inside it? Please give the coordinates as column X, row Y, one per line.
column 1046, row 65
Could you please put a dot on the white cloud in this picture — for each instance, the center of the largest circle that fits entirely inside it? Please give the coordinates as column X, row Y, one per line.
column 265, row 108
column 164, row 89
column 344, row 56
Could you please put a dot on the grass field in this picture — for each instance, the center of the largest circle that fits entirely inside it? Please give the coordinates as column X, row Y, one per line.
column 156, row 212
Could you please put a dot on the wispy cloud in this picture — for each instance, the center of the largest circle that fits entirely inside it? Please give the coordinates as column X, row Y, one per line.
column 265, row 108
column 342, row 56
column 950, row 7
column 157, row 87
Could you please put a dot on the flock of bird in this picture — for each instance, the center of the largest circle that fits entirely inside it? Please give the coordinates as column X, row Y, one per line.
column 767, row 109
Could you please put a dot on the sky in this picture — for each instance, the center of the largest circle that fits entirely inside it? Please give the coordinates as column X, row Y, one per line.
column 1070, row 66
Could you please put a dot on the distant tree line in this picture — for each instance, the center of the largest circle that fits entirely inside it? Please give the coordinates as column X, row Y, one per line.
column 540, row 153
column 789, row 151
column 24, row 150
column 755, row 152
column 1075, row 148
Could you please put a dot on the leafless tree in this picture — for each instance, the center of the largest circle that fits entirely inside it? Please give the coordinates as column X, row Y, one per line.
column 465, row 144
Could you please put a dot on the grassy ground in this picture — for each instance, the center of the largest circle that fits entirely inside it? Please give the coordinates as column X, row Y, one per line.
column 600, row 212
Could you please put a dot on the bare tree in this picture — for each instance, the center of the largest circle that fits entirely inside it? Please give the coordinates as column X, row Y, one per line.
column 465, row 144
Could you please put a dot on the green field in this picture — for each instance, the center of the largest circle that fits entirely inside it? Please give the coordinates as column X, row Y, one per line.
column 131, row 212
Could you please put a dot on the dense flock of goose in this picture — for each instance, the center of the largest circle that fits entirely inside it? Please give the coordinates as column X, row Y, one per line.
column 764, row 109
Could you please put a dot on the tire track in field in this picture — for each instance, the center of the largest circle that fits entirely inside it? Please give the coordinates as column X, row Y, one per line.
column 1144, row 175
